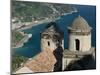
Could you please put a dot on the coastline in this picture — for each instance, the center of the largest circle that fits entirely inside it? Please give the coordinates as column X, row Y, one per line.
column 45, row 21
column 35, row 24
column 23, row 41
column 71, row 12
column 28, row 36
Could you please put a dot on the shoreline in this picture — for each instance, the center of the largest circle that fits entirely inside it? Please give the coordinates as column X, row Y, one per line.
column 28, row 36
column 23, row 41
column 35, row 24
column 70, row 12
column 45, row 21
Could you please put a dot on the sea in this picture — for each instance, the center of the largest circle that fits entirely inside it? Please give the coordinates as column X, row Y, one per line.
column 32, row 47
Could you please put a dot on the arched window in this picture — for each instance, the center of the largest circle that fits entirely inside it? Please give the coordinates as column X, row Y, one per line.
column 77, row 44
column 48, row 43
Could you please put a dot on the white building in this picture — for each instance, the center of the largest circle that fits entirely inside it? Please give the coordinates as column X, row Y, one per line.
column 79, row 41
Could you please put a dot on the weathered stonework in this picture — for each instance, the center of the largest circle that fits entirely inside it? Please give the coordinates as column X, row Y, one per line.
column 54, row 57
column 79, row 42
column 52, row 37
column 85, row 42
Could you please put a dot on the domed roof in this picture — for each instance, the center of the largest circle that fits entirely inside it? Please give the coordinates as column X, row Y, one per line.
column 80, row 24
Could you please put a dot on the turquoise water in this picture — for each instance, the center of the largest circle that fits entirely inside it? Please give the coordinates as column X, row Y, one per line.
column 32, row 47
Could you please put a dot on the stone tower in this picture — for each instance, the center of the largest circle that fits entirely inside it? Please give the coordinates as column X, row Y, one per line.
column 51, row 37
column 79, row 41
column 80, row 35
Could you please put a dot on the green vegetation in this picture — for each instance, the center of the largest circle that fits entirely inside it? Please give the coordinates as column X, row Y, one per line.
column 16, row 37
column 26, row 11
column 17, row 61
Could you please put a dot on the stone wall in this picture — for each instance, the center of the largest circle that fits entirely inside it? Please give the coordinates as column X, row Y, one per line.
column 85, row 42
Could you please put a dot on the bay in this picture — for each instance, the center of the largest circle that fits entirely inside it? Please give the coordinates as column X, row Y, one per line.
column 32, row 47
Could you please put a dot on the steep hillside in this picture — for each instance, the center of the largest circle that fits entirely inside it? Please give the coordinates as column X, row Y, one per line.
column 27, row 11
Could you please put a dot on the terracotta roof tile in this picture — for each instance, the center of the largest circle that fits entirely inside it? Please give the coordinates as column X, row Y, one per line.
column 43, row 62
